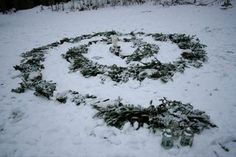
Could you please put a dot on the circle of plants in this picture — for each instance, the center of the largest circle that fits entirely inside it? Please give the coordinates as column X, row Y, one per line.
column 193, row 55
column 168, row 114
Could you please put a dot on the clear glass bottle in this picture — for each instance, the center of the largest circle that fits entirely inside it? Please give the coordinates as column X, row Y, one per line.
column 167, row 140
column 187, row 137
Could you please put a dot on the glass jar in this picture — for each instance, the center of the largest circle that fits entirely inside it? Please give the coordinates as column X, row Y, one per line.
column 167, row 140
column 187, row 137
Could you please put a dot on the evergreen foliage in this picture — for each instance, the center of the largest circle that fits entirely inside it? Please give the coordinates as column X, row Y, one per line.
column 172, row 115
column 31, row 64
column 45, row 88
column 162, row 116
column 144, row 50
column 30, row 68
column 193, row 55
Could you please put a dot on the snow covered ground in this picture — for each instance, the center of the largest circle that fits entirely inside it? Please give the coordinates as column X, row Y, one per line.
column 47, row 128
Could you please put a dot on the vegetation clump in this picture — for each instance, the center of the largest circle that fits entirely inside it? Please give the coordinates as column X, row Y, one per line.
column 193, row 55
column 173, row 115
column 45, row 88
column 31, row 75
column 143, row 51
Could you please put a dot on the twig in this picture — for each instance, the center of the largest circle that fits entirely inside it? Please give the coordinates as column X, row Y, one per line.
column 223, row 147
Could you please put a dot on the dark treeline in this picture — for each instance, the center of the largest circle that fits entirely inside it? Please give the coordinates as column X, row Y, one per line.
column 56, row 5
column 6, row 5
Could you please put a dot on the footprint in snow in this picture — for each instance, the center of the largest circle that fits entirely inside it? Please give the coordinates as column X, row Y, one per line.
column 2, row 129
column 224, row 142
column 230, row 52
column 210, row 30
column 16, row 115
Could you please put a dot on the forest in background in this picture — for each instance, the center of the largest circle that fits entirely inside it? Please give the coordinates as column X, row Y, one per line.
column 6, row 5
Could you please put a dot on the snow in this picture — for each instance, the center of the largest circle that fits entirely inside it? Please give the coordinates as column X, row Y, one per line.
column 107, row 58
column 168, row 52
column 126, row 48
column 33, row 126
